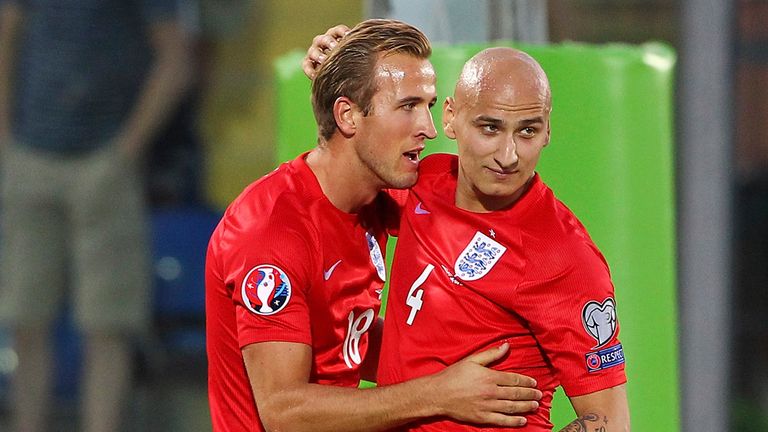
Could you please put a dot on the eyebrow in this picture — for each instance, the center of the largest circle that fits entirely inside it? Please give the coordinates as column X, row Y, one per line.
column 530, row 121
column 495, row 121
column 487, row 119
column 415, row 99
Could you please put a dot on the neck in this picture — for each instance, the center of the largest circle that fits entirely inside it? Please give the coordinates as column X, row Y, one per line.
column 345, row 185
column 470, row 198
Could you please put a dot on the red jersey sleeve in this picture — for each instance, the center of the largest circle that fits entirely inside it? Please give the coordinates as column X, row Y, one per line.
column 571, row 310
column 268, row 268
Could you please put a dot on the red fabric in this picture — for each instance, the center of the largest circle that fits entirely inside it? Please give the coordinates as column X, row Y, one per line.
column 532, row 297
column 284, row 225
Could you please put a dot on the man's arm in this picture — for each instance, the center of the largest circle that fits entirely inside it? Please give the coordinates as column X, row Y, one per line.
column 10, row 26
column 168, row 79
column 468, row 391
column 602, row 411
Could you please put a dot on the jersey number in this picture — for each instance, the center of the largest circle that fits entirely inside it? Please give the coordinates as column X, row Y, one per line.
column 415, row 293
column 355, row 330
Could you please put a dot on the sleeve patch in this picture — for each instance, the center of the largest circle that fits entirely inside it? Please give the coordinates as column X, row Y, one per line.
column 605, row 358
column 266, row 290
column 599, row 320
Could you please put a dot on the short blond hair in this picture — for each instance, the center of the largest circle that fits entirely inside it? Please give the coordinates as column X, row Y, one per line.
column 349, row 69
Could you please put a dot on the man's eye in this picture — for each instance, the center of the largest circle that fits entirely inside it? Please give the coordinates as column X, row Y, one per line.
column 489, row 128
column 409, row 106
column 528, row 132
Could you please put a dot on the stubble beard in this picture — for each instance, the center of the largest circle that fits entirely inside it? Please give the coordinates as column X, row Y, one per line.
column 386, row 174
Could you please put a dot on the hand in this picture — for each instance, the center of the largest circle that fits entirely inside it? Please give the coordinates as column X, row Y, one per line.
column 321, row 45
column 470, row 391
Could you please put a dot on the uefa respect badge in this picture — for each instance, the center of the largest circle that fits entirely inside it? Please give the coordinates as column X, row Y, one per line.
column 605, row 358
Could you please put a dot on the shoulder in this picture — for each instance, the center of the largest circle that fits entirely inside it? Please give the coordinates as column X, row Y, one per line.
column 276, row 203
column 438, row 163
column 556, row 238
column 436, row 170
column 267, row 224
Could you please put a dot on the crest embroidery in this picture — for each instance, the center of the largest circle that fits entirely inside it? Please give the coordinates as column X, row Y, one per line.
column 478, row 258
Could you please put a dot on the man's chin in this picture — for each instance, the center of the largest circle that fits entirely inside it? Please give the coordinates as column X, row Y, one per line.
column 403, row 181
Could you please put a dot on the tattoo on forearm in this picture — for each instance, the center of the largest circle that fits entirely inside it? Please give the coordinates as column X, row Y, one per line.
column 587, row 423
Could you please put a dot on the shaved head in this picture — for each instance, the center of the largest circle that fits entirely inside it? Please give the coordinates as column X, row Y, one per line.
column 499, row 117
column 501, row 70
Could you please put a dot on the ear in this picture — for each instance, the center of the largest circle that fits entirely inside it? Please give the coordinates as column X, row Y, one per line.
column 549, row 131
column 344, row 114
column 449, row 113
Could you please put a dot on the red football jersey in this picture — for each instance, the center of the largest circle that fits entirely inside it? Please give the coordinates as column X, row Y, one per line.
column 284, row 264
column 529, row 275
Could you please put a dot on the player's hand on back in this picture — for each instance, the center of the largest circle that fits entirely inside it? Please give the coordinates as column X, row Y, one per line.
column 321, row 45
column 472, row 392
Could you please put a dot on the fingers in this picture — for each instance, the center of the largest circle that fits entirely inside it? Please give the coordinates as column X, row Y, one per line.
column 511, row 379
column 498, row 419
column 321, row 46
column 323, row 43
column 338, row 32
column 507, row 413
column 511, row 408
column 308, row 66
column 524, row 394
column 519, row 394
column 488, row 356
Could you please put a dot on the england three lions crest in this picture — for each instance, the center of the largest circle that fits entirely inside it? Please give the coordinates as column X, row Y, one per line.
column 377, row 258
column 478, row 258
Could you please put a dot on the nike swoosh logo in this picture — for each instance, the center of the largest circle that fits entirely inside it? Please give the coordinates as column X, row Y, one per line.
column 420, row 210
column 327, row 274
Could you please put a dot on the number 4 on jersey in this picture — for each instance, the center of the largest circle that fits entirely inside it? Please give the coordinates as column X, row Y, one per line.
column 415, row 293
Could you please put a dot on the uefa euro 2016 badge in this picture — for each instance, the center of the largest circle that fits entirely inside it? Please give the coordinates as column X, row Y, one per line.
column 478, row 258
column 599, row 320
column 376, row 257
column 266, row 290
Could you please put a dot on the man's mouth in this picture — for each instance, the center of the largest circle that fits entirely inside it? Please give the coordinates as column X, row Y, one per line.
column 502, row 172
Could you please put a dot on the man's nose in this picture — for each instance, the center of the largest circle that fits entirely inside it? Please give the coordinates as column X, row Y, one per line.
column 506, row 155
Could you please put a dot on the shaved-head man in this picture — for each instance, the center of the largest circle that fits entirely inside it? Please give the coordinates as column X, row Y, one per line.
column 487, row 254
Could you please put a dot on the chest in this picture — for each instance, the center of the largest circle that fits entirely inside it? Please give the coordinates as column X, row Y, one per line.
column 483, row 255
column 350, row 271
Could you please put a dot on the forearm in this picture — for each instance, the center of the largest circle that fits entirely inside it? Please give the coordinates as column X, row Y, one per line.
column 592, row 422
column 468, row 391
column 169, row 78
column 602, row 411
column 318, row 408
column 10, row 23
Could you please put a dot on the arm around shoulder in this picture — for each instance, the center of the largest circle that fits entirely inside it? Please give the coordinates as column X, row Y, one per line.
column 279, row 376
